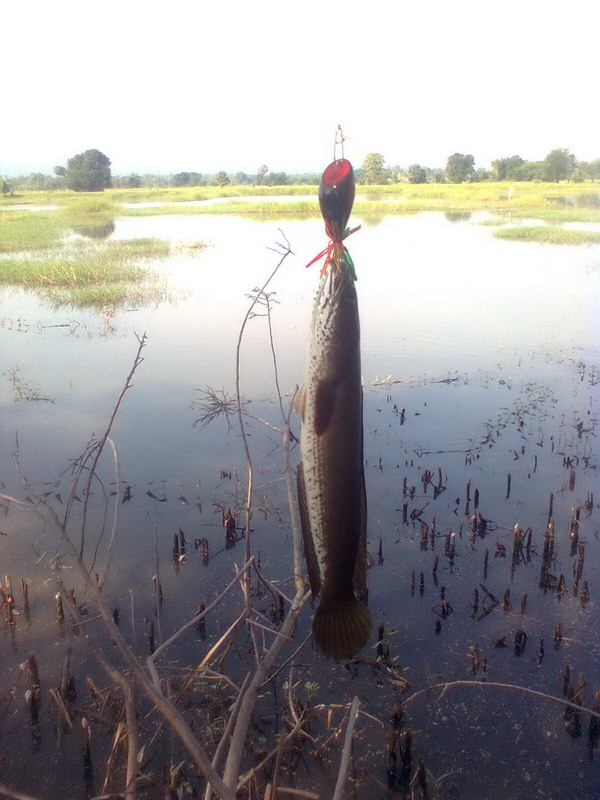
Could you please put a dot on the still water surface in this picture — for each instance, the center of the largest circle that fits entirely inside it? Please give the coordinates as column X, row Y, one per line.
column 492, row 350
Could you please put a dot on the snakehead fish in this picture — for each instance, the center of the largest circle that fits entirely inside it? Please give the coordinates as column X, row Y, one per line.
column 331, row 484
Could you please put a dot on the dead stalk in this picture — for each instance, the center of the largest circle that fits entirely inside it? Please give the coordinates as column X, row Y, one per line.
column 345, row 760
column 234, row 757
column 226, row 733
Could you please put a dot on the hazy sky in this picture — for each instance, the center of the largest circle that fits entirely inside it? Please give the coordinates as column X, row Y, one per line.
column 234, row 84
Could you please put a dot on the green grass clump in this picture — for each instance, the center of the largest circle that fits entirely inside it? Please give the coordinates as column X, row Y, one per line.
column 545, row 234
column 66, row 272
column 107, row 295
column 85, row 265
column 86, row 205
column 88, row 274
column 138, row 248
column 25, row 230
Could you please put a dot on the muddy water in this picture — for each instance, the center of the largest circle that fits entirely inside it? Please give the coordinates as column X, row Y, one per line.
column 489, row 347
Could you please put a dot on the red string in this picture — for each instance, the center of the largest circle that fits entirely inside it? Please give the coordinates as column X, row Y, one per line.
column 334, row 252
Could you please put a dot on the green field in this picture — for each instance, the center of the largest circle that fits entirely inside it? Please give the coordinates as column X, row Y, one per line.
column 550, row 201
column 547, row 234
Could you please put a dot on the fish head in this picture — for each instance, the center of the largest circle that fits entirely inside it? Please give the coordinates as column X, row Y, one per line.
column 336, row 196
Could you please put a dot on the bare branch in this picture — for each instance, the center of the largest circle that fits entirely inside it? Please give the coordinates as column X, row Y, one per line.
column 341, row 780
column 98, row 451
column 493, row 685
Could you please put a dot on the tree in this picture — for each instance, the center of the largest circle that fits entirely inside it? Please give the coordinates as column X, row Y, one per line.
column 277, row 179
column 460, row 168
column 373, row 167
column 88, row 172
column 222, row 178
column 260, row 174
column 559, row 165
column 186, row 179
column 589, row 170
column 481, row 174
column 416, row 174
column 132, row 181
column 594, row 169
column 503, row 169
column 529, row 171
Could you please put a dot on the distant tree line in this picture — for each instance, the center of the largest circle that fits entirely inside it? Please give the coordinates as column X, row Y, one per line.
column 90, row 172
column 559, row 165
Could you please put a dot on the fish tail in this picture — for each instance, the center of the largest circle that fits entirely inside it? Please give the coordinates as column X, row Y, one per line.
column 342, row 625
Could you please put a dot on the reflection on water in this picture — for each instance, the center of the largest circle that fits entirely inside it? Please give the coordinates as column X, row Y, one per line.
column 102, row 231
column 458, row 216
column 481, row 378
column 583, row 200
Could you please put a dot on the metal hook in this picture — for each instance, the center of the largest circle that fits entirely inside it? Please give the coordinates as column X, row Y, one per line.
column 339, row 140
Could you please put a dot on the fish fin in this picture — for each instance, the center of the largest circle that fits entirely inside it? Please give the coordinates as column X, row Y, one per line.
column 312, row 564
column 361, row 566
column 341, row 627
column 324, row 404
column 300, row 401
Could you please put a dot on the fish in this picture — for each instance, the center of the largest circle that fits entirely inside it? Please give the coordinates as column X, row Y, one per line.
column 331, row 479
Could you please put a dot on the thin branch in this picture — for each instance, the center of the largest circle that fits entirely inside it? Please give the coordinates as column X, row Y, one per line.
column 193, row 621
column 341, row 780
column 202, row 666
column 131, row 732
column 296, row 535
column 6, row 791
column 286, row 253
column 171, row 714
column 115, row 514
column 234, row 757
column 492, row 684
column 137, row 361
column 255, row 770
column 226, row 733
column 272, row 343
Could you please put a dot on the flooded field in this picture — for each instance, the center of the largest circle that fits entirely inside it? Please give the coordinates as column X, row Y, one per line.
column 481, row 370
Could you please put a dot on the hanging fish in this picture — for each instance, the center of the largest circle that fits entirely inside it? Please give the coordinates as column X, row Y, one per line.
column 331, row 481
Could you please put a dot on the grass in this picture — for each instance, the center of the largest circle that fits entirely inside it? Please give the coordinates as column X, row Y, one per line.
column 24, row 230
column 98, row 274
column 545, row 234
column 108, row 295
column 549, row 201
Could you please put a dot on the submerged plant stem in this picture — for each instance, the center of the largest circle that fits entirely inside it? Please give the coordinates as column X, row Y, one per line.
column 491, row 684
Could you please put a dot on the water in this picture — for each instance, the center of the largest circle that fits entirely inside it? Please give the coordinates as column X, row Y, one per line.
column 490, row 347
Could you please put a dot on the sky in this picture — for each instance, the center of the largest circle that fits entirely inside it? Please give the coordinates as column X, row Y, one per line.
column 232, row 84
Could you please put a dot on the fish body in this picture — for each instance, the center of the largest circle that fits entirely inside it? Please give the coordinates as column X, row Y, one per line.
column 331, row 484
